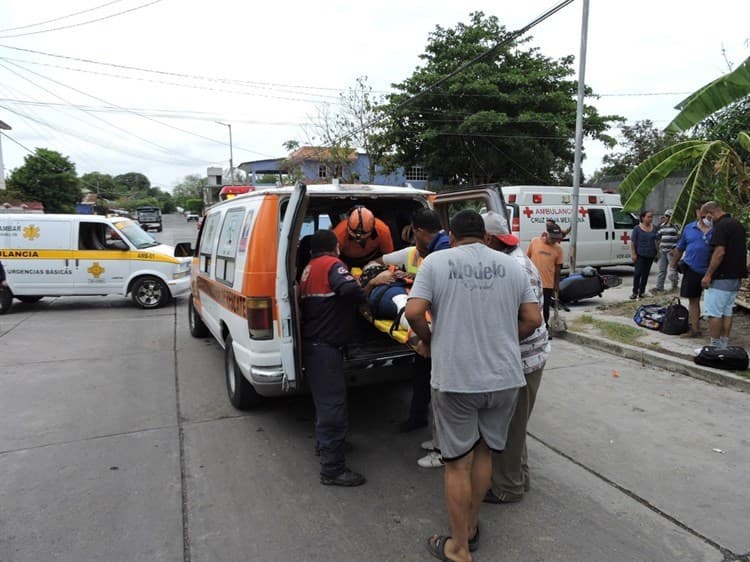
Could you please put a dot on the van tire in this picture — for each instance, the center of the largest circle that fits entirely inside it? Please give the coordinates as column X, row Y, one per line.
column 241, row 393
column 150, row 292
column 29, row 299
column 6, row 300
column 198, row 328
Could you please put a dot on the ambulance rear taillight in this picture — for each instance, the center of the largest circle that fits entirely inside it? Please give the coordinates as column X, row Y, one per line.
column 515, row 224
column 260, row 318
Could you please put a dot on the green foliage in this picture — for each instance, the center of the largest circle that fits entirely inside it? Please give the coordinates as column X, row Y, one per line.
column 191, row 187
column 509, row 118
column 713, row 97
column 103, row 184
column 134, row 182
column 641, row 141
column 194, row 205
column 727, row 125
column 49, row 177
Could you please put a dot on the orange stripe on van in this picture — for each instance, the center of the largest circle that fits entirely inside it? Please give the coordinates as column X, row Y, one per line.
column 260, row 270
column 227, row 298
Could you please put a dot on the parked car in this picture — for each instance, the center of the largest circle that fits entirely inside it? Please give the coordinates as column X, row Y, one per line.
column 192, row 217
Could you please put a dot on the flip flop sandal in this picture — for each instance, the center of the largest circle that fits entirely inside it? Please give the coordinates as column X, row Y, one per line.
column 437, row 547
column 474, row 541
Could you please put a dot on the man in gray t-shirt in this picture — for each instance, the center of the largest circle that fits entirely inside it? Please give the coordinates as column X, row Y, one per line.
column 481, row 302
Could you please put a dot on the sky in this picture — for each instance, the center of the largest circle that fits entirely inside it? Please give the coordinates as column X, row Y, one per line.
column 265, row 67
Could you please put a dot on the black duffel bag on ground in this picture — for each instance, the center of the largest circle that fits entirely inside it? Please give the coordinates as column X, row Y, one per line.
column 676, row 318
column 729, row 358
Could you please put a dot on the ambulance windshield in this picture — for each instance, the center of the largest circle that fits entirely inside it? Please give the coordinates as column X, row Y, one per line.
column 137, row 236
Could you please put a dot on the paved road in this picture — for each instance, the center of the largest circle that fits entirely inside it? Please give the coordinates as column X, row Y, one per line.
column 117, row 443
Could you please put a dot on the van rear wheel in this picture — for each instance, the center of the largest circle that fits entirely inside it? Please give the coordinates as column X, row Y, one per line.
column 150, row 292
column 241, row 393
column 198, row 328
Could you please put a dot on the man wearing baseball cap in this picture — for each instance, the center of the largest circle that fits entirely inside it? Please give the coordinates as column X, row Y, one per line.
column 546, row 254
column 510, row 470
column 667, row 236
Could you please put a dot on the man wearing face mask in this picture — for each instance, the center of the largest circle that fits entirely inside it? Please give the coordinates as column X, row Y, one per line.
column 693, row 251
column 362, row 237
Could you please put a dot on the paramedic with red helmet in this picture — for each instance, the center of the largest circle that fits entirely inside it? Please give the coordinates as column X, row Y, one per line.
column 362, row 237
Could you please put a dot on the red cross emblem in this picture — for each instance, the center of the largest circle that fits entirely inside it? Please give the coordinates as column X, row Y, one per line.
column 583, row 212
column 528, row 212
column 625, row 237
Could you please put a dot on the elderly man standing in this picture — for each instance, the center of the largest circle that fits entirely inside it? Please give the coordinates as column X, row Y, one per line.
column 481, row 303
column 726, row 269
column 510, row 470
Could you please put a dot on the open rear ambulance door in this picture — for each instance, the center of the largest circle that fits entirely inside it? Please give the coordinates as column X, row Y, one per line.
column 480, row 198
column 287, row 289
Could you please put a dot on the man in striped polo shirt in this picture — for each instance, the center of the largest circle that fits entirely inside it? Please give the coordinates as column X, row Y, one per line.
column 668, row 235
column 510, row 469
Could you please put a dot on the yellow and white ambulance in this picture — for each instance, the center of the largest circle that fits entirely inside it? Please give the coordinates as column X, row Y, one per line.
column 55, row 255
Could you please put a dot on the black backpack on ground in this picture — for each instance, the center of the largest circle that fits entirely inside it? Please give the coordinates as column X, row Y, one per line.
column 676, row 318
column 729, row 358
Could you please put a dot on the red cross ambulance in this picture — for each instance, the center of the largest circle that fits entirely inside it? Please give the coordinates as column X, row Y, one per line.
column 603, row 227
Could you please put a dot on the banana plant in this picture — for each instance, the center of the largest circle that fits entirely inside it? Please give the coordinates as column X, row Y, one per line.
column 714, row 169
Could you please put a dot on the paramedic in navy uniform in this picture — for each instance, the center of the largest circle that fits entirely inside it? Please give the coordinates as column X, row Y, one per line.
column 329, row 300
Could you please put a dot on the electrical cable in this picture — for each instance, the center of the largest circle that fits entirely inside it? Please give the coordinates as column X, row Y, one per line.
column 61, row 17
column 140, row 114
column 151, row 3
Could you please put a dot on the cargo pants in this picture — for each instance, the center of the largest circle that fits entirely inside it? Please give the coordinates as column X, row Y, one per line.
column 324, row 370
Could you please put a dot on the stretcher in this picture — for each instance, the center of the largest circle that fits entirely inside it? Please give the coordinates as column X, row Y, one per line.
column 386, row 326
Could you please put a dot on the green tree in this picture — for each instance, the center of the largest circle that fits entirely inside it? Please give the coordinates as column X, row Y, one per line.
column 103, row 184
column 49, row 177
column 717, row 168
column 509, row 117
column 191, row 187
column 134, row 182
column 641, row 141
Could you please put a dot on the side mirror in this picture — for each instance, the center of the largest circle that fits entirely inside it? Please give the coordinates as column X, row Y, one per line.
column 183, row 250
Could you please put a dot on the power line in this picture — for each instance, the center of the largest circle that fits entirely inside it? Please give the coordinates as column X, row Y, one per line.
column 138, row 113
column 174, row 74
column 83, row 22
column 183, row 85
column 60, row 18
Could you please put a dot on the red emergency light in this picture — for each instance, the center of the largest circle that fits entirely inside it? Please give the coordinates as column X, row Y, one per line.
column 536, row 198
column 592, row 199
column 512, row 198
column 231, row 191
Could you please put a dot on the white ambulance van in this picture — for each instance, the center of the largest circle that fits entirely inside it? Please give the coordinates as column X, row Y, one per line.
column 54, row 255
column 251, row 252
column 603, row 227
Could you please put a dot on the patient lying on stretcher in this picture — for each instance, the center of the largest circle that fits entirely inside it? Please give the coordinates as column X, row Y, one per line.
column 387, row 302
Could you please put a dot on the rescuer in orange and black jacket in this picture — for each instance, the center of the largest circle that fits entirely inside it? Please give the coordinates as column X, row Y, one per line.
column 329, row 299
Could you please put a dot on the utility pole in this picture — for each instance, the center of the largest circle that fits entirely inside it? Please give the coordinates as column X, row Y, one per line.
column 231, row 155
column 3, row 127
column 579, row 138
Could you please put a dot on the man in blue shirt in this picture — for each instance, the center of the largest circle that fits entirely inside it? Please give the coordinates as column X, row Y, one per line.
column 694, row 247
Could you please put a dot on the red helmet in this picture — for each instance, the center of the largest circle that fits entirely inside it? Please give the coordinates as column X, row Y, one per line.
column 360, row 225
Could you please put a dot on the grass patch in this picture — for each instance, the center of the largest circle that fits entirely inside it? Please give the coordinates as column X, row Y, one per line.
column 611, row 330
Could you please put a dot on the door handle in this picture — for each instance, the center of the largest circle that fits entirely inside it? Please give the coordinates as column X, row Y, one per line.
column 606, row 235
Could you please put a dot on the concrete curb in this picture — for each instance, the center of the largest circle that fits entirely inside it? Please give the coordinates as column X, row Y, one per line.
column 648, row 357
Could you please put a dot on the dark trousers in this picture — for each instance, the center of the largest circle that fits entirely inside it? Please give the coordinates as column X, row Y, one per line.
column 640, row 275
column 324, row 370
column 420, row 382
column 548, row 296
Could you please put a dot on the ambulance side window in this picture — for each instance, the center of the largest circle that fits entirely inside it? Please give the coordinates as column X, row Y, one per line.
column 623, row 220
column 208, row 238
column 228, row 242
column 597, row 219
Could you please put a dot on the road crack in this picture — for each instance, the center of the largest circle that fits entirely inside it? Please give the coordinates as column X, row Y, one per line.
column 181, row 435
column 729, row 556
